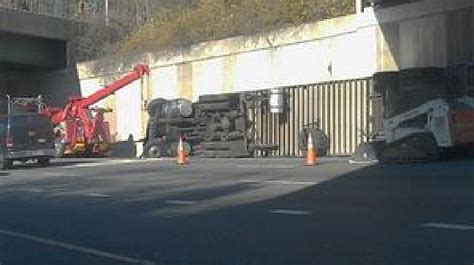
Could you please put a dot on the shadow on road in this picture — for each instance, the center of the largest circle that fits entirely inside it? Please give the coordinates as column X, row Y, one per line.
column 372, row 215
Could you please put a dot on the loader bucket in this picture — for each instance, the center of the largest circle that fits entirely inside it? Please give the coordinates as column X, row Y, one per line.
column 367, row 153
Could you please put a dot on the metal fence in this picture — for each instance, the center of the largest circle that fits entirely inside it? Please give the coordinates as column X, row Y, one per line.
column 347, row 111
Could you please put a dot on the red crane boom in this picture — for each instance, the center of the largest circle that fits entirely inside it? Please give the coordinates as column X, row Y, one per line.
column 138, row 72
column 76, row 104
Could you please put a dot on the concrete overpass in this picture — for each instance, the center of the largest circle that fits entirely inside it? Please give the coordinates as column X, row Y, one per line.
column 36, row 56
column 424, row 33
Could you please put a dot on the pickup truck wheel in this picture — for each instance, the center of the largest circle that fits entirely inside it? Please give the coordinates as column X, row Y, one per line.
column 44, row 161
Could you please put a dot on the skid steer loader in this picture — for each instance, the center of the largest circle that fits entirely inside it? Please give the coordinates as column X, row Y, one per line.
column 428, row 113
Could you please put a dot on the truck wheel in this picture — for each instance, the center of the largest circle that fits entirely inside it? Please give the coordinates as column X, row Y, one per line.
column 154, row 106
column 60, row 147
column 152, row 150
column 6, row 164
column 44, row 161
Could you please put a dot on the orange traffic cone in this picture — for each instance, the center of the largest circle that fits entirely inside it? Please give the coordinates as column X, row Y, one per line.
column 181, row 159
column 311, row 153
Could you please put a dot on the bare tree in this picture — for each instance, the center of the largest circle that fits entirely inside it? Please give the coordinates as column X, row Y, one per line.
column 148, row 25
column 204, row 20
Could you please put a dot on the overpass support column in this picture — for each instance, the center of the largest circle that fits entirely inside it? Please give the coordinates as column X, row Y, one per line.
column 359, row 6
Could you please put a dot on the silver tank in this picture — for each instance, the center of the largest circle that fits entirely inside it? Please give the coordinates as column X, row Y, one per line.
column 276, row 101
column 177, row 108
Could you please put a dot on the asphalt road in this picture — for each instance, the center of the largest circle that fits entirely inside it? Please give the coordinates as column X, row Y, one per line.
column 237, row 212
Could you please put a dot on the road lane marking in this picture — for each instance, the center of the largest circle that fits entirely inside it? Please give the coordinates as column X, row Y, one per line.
column 449, row 226
column 27, row 190
column 98, row 195
column 290, row 212
column 84, row 165
column 76, row 248
column 105, row 163
column 250, row 181
column 279, row 182
column 287, row 182
column 179, row 202
column 275, row 166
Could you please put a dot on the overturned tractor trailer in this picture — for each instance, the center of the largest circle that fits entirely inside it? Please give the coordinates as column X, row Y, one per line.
column 216, row 126
column 428, row 114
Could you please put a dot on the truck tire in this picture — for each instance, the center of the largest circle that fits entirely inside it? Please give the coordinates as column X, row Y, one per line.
column 6, row 164
column 60, row 147
column 171, row 149
column 44, row 161
column 153, row 105
column 152, row 149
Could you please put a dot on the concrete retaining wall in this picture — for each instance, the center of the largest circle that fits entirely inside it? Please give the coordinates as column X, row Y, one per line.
column 430, row 33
